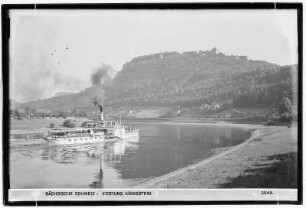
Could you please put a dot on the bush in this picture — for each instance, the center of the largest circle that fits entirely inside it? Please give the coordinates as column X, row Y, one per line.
column 285, row 107
column 270, row 122
column 285, row 117
column 69, row 123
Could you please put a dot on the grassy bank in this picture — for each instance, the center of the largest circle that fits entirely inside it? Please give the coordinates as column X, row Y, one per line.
column 279, row 171
column 266, row 160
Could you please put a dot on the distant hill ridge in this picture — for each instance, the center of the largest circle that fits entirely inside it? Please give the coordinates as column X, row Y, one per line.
column 14, row 103
column 62, row 94
column 189, row 79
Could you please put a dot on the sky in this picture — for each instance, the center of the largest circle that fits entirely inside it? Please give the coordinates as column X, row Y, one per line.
column 57, row 50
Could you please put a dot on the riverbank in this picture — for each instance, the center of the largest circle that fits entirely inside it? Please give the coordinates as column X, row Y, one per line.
column 266, row 159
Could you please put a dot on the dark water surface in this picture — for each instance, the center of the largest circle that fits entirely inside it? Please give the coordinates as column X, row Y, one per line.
column 161, row 148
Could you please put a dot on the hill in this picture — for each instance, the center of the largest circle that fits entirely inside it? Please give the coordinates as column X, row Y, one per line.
column 66, row 102
column 14, row 104
column 197, row 78
column 62, row 94
column 191, row 80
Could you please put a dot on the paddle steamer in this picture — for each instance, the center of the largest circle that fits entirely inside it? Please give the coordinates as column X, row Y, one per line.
column 90, row 132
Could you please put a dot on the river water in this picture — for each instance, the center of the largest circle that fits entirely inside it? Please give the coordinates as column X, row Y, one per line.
column 160, row 149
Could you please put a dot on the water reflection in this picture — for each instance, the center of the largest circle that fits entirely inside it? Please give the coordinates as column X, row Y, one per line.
column 159, row 150
column 98, row 180
column 169, row 147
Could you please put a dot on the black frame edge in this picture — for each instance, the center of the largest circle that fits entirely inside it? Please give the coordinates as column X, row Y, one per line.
column 5, row 108
column 192, row 5
column 300, row 102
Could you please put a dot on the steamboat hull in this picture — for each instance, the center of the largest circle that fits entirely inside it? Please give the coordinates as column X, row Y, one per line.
column 78, row 140
column 127, row 134
column 131, row 135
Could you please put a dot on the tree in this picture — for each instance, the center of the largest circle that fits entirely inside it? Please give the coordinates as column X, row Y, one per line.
column 69, row 123
column 17, row 114
column 27, row 111
column 62, row 114
column 285, row 106
column 285, row 109
column 74, row 112
column 52, row 125
column 82, row 114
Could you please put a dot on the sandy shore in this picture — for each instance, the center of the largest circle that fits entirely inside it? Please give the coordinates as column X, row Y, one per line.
column 234, row 162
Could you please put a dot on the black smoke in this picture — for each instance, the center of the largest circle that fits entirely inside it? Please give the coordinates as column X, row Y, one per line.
column 101, row 75
column 98, row 102
column 98, row 97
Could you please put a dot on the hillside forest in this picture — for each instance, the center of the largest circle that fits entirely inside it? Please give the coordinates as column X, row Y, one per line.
column 186, row 84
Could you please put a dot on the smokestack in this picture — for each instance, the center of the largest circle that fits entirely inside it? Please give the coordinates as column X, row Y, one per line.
column 101, row 112
column 101, row 116
column 97, row 100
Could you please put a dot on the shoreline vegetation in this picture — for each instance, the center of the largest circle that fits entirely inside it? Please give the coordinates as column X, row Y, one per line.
column 268, row 159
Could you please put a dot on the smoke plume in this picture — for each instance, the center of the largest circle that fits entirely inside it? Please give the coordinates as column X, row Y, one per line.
column 98, row 98
column 34, row 68
column 101, row 75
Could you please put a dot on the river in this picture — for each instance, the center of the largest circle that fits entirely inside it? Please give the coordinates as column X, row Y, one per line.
column 160, row 149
